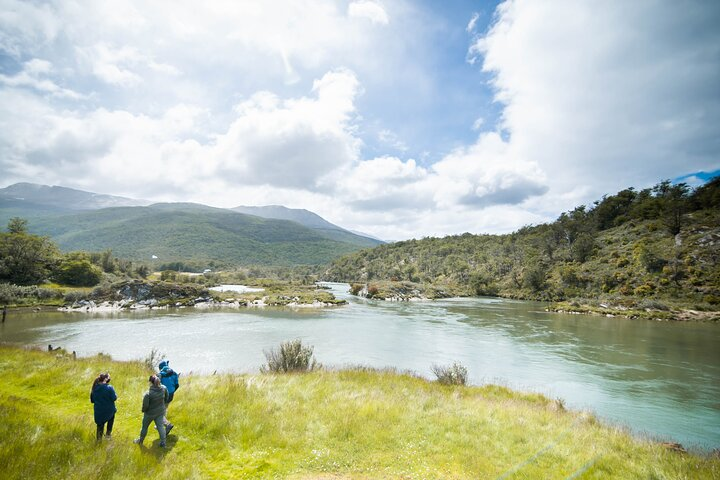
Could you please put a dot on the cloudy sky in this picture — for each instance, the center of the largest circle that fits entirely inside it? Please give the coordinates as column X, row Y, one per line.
column 397, row 118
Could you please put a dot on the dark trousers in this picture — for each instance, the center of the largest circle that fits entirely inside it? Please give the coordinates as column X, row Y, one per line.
column 101, row 427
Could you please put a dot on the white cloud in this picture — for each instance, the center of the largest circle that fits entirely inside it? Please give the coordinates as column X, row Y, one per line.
column 292, row 143
column 486, row 174
column 601, row 97
column 218, row 105
column 30, row 77
column 370, row 10
column 392, row 140
column 289, row 143
column 472, row 23
column 384, row 184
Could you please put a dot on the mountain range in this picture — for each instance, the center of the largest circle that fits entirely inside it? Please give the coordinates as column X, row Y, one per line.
column 187, row 232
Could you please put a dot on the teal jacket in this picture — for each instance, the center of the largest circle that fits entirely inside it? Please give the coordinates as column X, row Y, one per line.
column 154, row 401
column 169, row 378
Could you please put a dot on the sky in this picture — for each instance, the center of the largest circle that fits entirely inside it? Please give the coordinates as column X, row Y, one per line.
column 400, row 119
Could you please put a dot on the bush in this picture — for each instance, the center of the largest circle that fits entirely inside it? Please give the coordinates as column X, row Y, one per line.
column 455, row 374
column 534, row 277
column 168, row 275
column 644, row 290
column 582, row 248
column 78, row 272
column 291, row 356
column 355, row 288
column 74, row 296
column 653, row 305
column 153, row 359
column 10, row 293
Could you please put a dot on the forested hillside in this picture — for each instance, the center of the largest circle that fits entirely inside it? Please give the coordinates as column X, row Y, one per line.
column 194, row 234
column 190, row 233
column 658, row 243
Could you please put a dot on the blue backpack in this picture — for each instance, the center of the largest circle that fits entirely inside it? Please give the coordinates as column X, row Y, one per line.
column 169, row 377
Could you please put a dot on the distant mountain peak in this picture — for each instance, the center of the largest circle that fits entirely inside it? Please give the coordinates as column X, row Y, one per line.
column 65, row 197
column 306, row 218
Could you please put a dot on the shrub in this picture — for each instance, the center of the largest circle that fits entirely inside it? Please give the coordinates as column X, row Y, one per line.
column 78, row 272
column 10, row 293
column 168, row 275
column 653, row 305
column 582, row 248
column 648, row 257
column 644, row 290
column 712, row 299
column 355, row 288
column 455, row 374
column 153, row 359
column 291, row 356
column 74, row 296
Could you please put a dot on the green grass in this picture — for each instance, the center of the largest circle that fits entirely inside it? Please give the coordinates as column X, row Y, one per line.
column 357, row 424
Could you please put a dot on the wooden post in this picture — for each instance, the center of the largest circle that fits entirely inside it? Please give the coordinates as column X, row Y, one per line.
column 4, row 314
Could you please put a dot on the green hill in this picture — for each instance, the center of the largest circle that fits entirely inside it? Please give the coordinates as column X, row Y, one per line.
column 655, row 245
column 178, row 232
column 310, row 220
column 190, row 233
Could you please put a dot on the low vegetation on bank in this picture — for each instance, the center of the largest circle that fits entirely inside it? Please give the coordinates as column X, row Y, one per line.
column 657, row 247
column 357, row 423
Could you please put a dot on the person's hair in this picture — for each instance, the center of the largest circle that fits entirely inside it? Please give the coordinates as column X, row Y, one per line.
column 100, row 379
column 154, row 380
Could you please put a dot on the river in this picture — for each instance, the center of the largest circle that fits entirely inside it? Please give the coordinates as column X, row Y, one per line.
column 657, row 378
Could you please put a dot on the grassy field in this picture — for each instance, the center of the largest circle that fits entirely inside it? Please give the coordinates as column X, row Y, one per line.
column 356, row 424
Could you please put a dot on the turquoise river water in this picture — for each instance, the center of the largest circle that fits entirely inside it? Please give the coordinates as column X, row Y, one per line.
column 657, row 378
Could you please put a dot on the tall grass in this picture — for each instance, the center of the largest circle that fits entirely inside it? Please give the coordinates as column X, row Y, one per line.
column 360, row 424
column 290, row 356
column 455, row 374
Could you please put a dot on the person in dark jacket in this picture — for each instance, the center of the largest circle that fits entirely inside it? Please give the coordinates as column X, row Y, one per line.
column 103, row 398
column 169, row 378
column 153, row 407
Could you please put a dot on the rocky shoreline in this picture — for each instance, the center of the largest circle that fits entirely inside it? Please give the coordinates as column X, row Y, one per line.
column 85, row 306
column 611, row 311
column 139, row 295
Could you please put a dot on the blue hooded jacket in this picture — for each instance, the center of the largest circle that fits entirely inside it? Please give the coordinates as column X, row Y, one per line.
column 169, row 377
column 103, row 399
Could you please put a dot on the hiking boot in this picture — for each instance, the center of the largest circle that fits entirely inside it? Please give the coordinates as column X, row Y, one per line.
column 162, row 445
column 138, row 441
column 168, row 428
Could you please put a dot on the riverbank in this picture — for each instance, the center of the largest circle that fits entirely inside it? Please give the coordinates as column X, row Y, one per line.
column 634, row 311
column 145, row 295
column 357, row 423
column 618, row 306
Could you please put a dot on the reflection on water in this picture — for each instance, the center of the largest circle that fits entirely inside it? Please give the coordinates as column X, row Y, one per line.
column 656, row 377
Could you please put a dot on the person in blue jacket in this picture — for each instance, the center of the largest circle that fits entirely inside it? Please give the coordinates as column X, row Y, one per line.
column 103, row 398
column 169, row 378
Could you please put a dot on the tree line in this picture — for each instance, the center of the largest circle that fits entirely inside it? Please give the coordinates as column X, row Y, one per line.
column 27, row 259
column 622, row 244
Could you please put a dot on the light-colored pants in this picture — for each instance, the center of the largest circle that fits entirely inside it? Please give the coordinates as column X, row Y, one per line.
column 147, row 420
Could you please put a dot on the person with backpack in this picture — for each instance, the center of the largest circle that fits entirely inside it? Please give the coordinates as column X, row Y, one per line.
column 153, row 408
column 103, row 398
column 170, row 379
